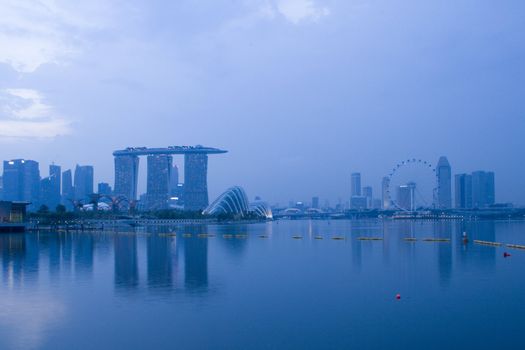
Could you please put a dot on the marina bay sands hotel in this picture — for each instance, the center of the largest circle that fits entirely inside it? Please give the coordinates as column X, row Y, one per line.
column 160, row 163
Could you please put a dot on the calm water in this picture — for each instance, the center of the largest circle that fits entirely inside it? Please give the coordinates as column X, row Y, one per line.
column 150, row 290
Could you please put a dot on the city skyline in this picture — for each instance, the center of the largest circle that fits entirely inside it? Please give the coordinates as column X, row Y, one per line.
column 262, row 174
column 301, row 106
column 21, row 180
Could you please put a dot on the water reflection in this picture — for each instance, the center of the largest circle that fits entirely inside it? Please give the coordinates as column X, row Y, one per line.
column 195, row 258
column 83, row 252
column 479, row 256
column 444, row 230
column 39, row 272
column 13, row 249
column 162, row 256
column 233, row 239
column 126, row 261
column 21, row 255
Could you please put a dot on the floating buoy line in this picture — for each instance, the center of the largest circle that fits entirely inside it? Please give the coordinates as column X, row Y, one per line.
column 493, row 244
column 516, row 246
column 464, row 239
column 440, row 240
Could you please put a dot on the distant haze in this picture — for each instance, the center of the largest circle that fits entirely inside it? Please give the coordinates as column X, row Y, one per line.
column 301, row 92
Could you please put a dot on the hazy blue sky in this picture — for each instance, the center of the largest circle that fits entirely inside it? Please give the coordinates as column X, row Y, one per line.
column 301, row 92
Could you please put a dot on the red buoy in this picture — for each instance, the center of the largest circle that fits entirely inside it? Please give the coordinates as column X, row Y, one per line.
column 506, row 255
column 398, row 296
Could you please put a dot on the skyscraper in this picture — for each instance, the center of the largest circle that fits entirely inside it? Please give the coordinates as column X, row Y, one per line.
column 21, row 182
column 356, row 184
column 126, row 176
column 158, row 184
column 54, row 175
column 358, row 202
column 46, row 192
column 68, row 191
column 174, row 180
column 83, row 182
column 368, row 194
column 406, row 196
column 50, row 188
column 195, row 181
column 103, row 188
column 195, row 189
column 483, row 189
column 444, row 178
column 384, row 193
column 315, row 202
column 463, row 191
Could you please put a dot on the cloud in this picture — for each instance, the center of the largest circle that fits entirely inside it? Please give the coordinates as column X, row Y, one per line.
column 36, row 32
column 295, row 11
column 24, row 114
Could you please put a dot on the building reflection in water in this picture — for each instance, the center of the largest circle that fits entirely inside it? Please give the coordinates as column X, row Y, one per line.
column 444, row 229
column 236, row 245
column 162, row 258
column 13, row 250
column 195, row 258
column 84, row 246
column 126, row 261
column 357, row 254
column 20, row 253
column 50, row 245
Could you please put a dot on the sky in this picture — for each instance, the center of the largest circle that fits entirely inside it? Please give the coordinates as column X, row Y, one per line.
column 300, row 92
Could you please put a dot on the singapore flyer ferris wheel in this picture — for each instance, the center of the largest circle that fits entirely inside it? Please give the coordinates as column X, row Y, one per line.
column 412, row 185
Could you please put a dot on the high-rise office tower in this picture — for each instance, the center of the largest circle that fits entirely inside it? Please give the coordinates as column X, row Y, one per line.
column 158, row 184
column 68, row 191
column 463, row 191
column 103, row 188
column 406, row 196
column 358, row 202
column 368, row 194
column 384, row 193
column 483, row 189
column 195, row 181
column 444, row 178
column 83, row 182
column 55, row 178
column 315, row 202
column 126, row 176
column 356, row 184
column 50, row 188
column 46, row 192
column 21, row 182
column 174, row 180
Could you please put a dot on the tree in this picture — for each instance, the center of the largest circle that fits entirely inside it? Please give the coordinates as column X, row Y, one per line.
column 44, row 209
column 60, row 209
